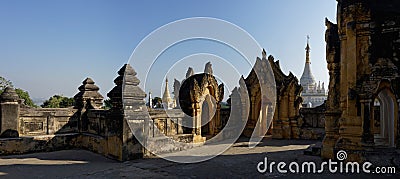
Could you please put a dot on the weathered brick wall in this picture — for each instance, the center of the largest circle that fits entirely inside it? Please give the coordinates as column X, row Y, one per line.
column 96, row 122
column 47, row 121
column 312, row 122
column 87, row 126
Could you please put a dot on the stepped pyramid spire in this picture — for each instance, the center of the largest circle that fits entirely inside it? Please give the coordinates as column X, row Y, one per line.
column 307, row 80
column 88, row 93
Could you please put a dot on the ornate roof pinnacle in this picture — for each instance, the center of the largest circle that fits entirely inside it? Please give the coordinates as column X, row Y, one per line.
column 264, row 54
column 308, row 50
column 307, row 80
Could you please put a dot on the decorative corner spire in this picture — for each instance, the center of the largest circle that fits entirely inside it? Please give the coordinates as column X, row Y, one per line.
column 264, row 54
column 208, row 68
column 189, row 72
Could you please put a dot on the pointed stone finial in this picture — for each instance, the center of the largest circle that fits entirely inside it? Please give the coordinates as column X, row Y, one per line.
column 133, row 95
column 328, row 23
column 264, row 54
column 189, row 72
column 208, row 68
column 177, row 87
column 242, row 85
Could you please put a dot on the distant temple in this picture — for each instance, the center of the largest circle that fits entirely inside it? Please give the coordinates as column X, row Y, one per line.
column 313, row 94
column 167, row 101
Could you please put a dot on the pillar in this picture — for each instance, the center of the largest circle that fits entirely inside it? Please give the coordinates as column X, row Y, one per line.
column 194, row 114
column 333, row 112
column 9, row 113
column 197, row 138
column 284, row 111
column 331, row 134
column 270, row 117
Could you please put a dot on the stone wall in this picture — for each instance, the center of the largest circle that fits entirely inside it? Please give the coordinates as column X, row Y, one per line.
column 312, row 122
column 47, row 121
column 88, row 126
column 48, row 129
column 225, row 114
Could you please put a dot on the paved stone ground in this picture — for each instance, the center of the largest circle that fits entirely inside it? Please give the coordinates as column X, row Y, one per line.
column 237, row 162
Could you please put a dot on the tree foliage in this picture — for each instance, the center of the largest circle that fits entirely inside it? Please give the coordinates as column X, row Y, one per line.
column 25, row 96
column 107, row 104
column 5, row 83
column 58, row 101
column 157, row 102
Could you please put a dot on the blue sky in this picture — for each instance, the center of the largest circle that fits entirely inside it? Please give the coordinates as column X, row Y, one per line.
column 50, row 47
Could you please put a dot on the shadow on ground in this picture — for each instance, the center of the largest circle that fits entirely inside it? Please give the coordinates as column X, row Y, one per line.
column 237, row 162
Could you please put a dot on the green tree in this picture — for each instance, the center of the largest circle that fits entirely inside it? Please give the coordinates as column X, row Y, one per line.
column 157, row 102
column 25, row 96
column 58, row 101
column 21, row 93
column 5, row 83
column 107, row 104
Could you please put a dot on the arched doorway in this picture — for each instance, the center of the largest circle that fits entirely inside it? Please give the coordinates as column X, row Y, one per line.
column 200, row 97
column 384, row 121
